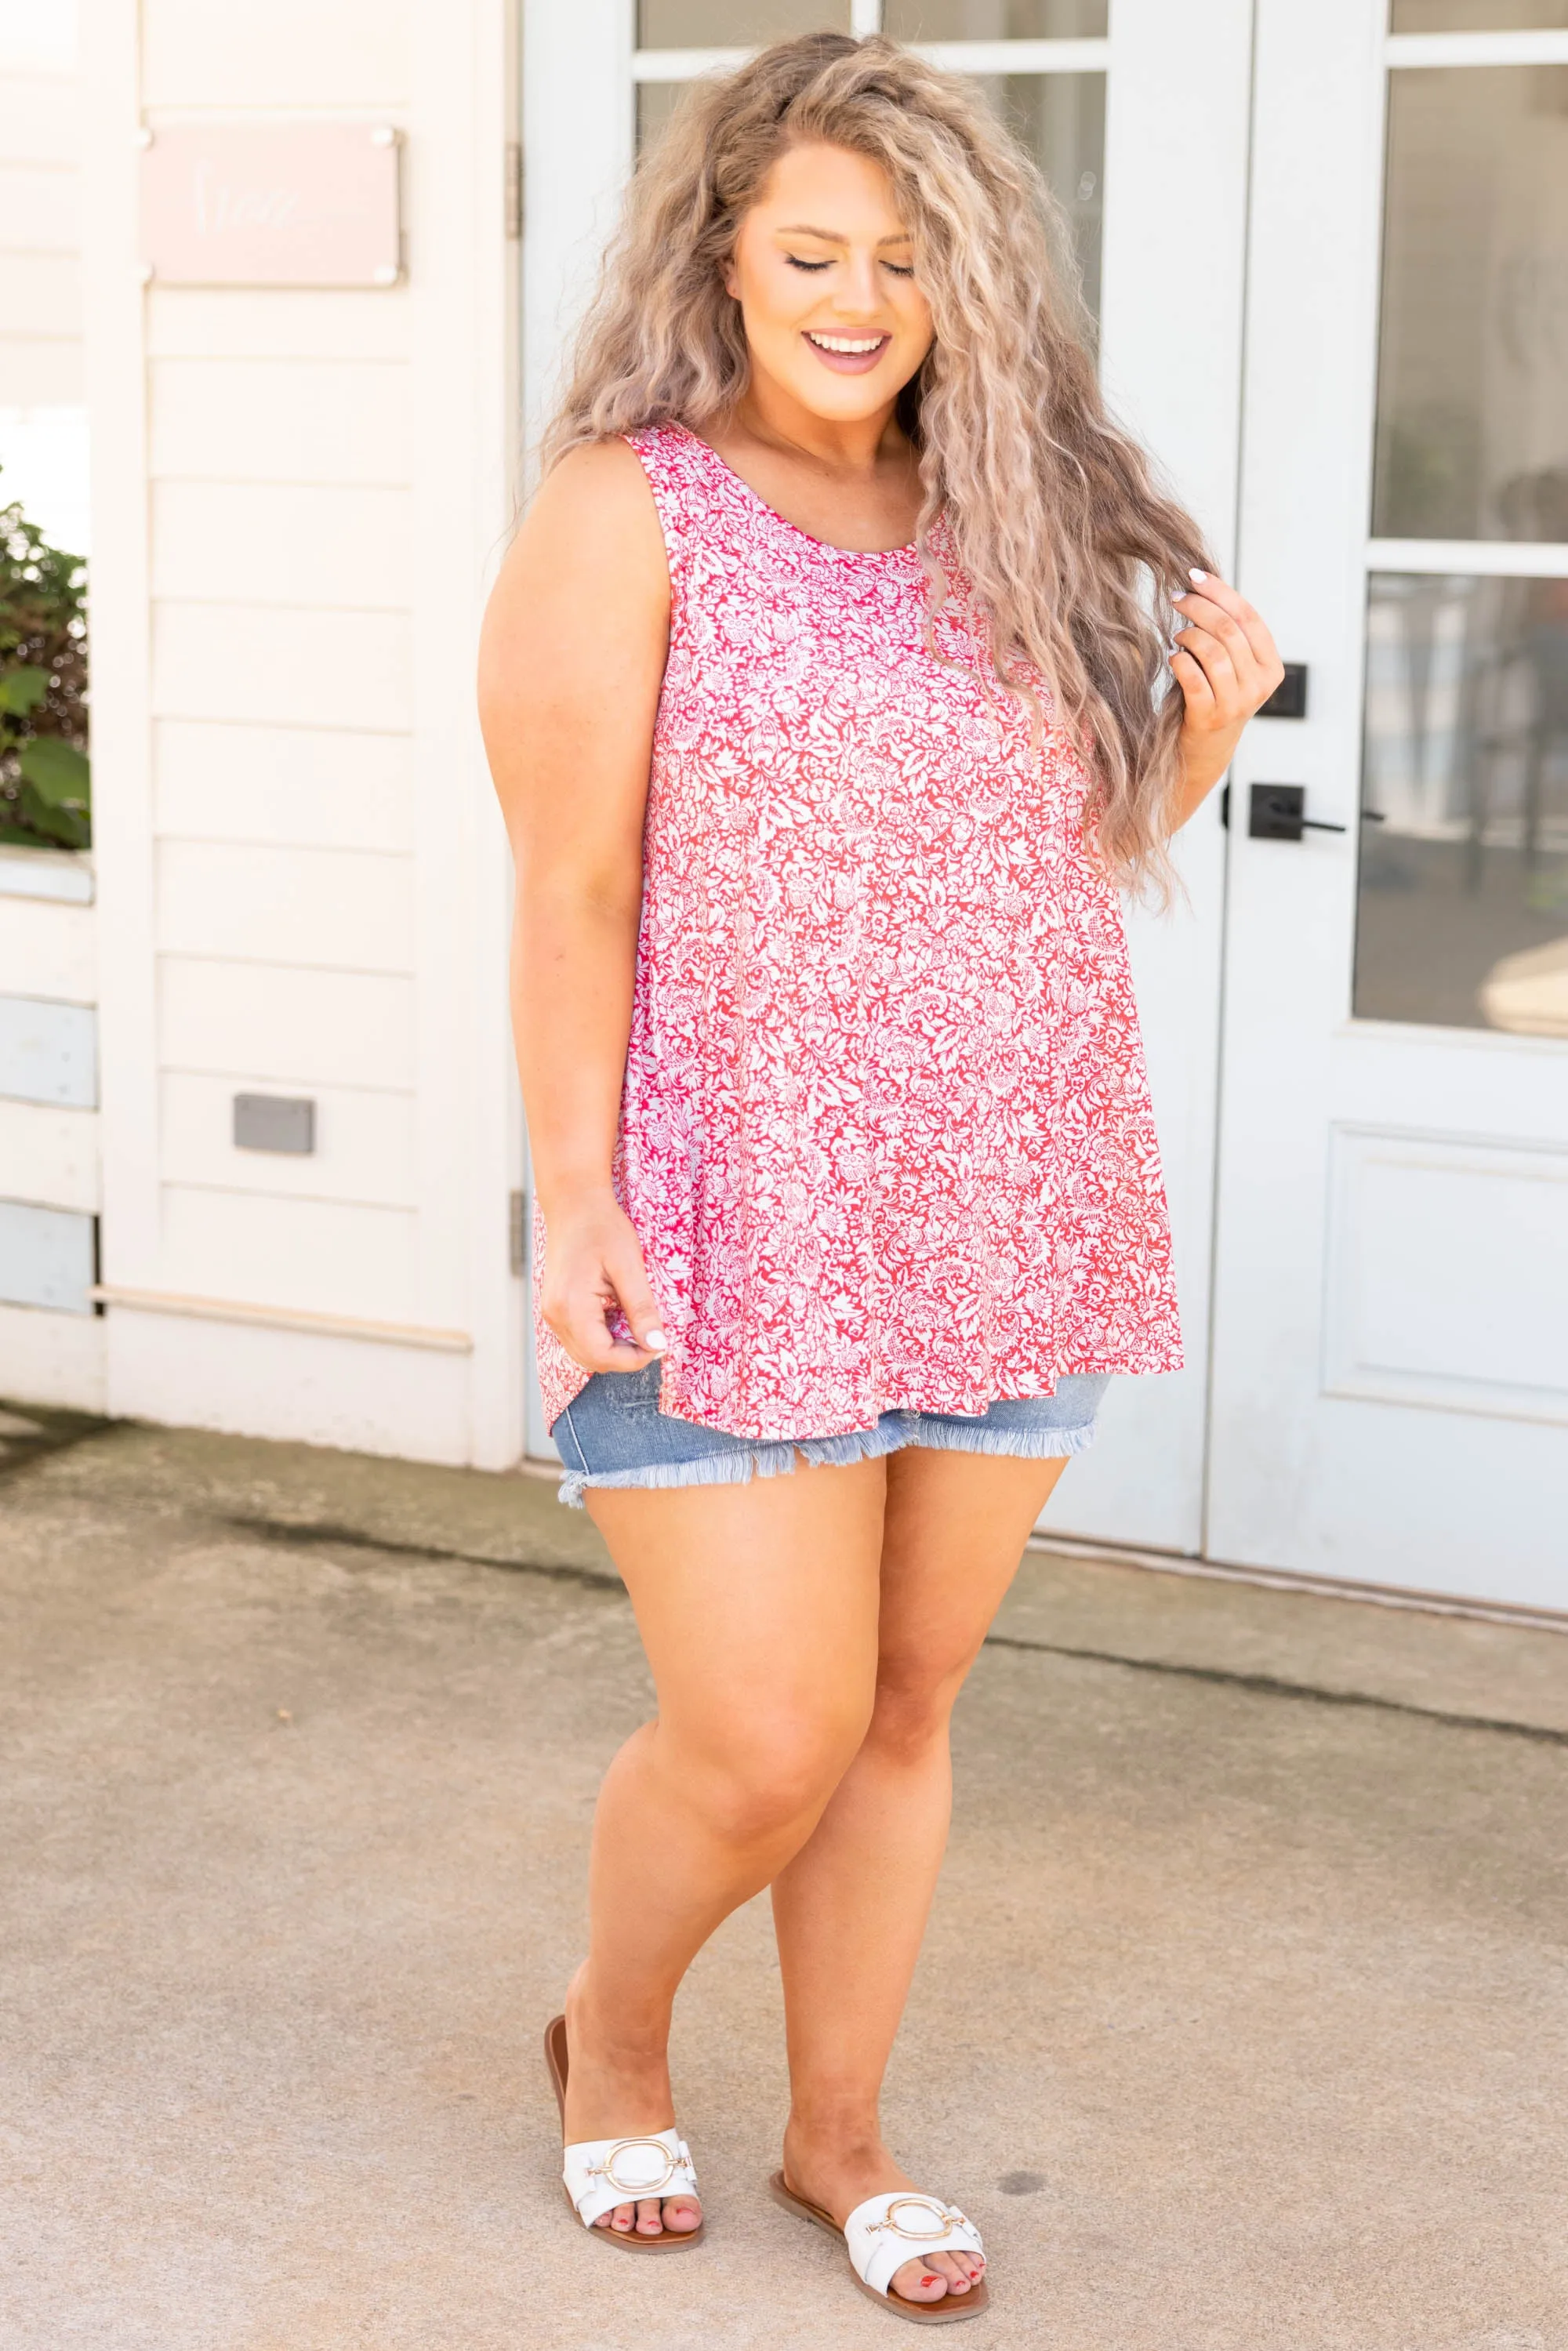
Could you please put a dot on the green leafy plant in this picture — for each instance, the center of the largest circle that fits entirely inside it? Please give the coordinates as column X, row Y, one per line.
column 45, row 800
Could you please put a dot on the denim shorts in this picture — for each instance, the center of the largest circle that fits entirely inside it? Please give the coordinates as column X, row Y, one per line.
column 613, row 1433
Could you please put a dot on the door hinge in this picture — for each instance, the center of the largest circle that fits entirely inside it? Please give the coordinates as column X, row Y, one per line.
column 513, row 189
column 517, row 1234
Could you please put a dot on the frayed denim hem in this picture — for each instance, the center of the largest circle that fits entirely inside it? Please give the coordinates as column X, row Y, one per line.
column 737, row 1469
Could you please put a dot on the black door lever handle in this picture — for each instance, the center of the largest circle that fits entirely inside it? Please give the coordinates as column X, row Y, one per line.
column 1279, row 812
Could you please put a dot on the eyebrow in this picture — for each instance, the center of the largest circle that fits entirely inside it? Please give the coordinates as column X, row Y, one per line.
column 836, row 236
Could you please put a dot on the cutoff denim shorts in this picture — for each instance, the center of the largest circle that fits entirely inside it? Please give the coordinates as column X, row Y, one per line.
column 613, row 1433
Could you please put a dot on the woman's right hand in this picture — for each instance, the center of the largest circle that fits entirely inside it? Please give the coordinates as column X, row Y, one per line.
column 593, row 1264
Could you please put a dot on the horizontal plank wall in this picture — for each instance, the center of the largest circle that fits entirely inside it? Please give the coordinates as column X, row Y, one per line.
column 40, row 275
column 299, row 499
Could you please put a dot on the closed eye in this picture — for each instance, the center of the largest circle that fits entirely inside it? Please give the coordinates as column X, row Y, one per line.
column 796, row 263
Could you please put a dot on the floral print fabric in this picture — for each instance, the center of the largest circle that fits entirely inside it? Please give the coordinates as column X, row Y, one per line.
column 885, row 1135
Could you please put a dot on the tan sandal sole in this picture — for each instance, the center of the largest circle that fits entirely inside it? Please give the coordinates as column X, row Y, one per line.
column 668, row 2241
column 946, row 2312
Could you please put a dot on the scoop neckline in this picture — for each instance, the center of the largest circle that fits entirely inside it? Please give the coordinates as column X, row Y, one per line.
column 823, row 546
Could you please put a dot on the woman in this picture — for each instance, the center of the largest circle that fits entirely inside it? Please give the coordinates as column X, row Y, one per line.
column 823, row 693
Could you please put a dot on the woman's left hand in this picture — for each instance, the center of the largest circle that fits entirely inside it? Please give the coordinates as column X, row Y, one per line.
column 1227, row 667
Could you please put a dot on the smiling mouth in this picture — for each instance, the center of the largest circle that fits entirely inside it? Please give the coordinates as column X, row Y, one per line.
column 848, row 354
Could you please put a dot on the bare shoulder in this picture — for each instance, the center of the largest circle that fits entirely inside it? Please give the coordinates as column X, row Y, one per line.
column 585, row 584
column 595, row 510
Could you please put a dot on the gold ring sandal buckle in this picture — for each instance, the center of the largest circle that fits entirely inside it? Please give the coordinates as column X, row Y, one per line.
column 945, row 2219
column 633, row 2189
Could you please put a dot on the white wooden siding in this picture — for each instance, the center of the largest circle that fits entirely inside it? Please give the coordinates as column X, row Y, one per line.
column 40, row 206
column 247, row 1248
column 285, row 667
column 53, row 1359
column 40, row 281
column 292, row 1028
column 226, row 322
column 40, row 296
column 327, row 546
column 349, row 55
column 49, row 1155
column 229, row 782
column 335, row 909
column 46, row 950
column 244, row 420
column 365, row 1142
column 303, row 527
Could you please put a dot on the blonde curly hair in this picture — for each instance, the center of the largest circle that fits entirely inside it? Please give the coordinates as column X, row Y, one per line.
column 1070, row 545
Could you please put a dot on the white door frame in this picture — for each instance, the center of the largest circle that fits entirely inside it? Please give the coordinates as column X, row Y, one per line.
column 1322, row 1462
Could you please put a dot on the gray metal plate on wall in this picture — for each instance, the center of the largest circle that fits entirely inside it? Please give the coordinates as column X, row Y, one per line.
column 48, row 1052
column 274, row 1122
column 47, row 1258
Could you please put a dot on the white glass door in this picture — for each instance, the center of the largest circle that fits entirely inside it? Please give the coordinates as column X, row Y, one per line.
column 1391, row 1335
column 1138, row 113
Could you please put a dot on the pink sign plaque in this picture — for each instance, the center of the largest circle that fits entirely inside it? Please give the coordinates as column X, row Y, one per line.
column 303, row 204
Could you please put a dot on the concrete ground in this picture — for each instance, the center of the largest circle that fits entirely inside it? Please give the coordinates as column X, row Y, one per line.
column 1241, row 2024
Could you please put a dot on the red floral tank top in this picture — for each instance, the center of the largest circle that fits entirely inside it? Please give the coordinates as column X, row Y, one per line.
column 885, row 1134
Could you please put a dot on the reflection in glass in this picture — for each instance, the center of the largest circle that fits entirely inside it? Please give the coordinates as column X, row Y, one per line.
column 1478, row 16
column 994, row 20
column 656, row 102
column 733, row 24
column 1060, row 118
column 1462, row 905
column 1472, row 396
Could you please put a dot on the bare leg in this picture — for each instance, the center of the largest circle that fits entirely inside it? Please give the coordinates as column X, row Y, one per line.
column 757, row 1606
column 851, row 1909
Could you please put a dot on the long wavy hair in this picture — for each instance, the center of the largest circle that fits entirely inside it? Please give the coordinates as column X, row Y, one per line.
column 1070, row 547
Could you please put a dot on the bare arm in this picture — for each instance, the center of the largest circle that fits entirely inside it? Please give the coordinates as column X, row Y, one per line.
column 1227, row 667
column 571, row 660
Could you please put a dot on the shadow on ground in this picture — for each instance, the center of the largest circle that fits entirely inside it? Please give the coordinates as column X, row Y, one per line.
column 1241, row 2023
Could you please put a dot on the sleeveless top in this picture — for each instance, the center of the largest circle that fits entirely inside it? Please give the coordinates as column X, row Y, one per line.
column 885, row 1135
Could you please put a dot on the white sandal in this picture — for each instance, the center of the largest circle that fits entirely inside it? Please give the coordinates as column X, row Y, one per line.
column 879, row 2242
column 599, row 2173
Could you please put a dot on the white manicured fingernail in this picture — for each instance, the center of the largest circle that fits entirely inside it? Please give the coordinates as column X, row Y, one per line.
column 1177, row 595
column 1198, row 578
column 656, row 1341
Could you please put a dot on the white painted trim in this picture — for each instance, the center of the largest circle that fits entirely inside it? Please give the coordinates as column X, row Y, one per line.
column 1020, row 56
column 494, row 1305
column 865, row 16
column 577, row 158
column 299, row 1386
column 1177, row 116
column 956, row 57
column 114, row 306
column 282, row 1317
column 1525, row 48
column 64, row 875
column 1280, row 1579
column 684, row 65
column 1489, row 559
column 53, row 1359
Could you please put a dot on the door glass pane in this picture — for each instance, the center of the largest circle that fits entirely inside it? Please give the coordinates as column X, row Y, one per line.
column 1478, row 16
column 733, row 24
column 1472, row 396
column 1462, row 908
column 656, row 102
column 1060, row 118
column 994, row 20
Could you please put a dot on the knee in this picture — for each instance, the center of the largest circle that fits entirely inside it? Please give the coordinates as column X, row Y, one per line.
column 767, row 1778
column 913, row 1703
